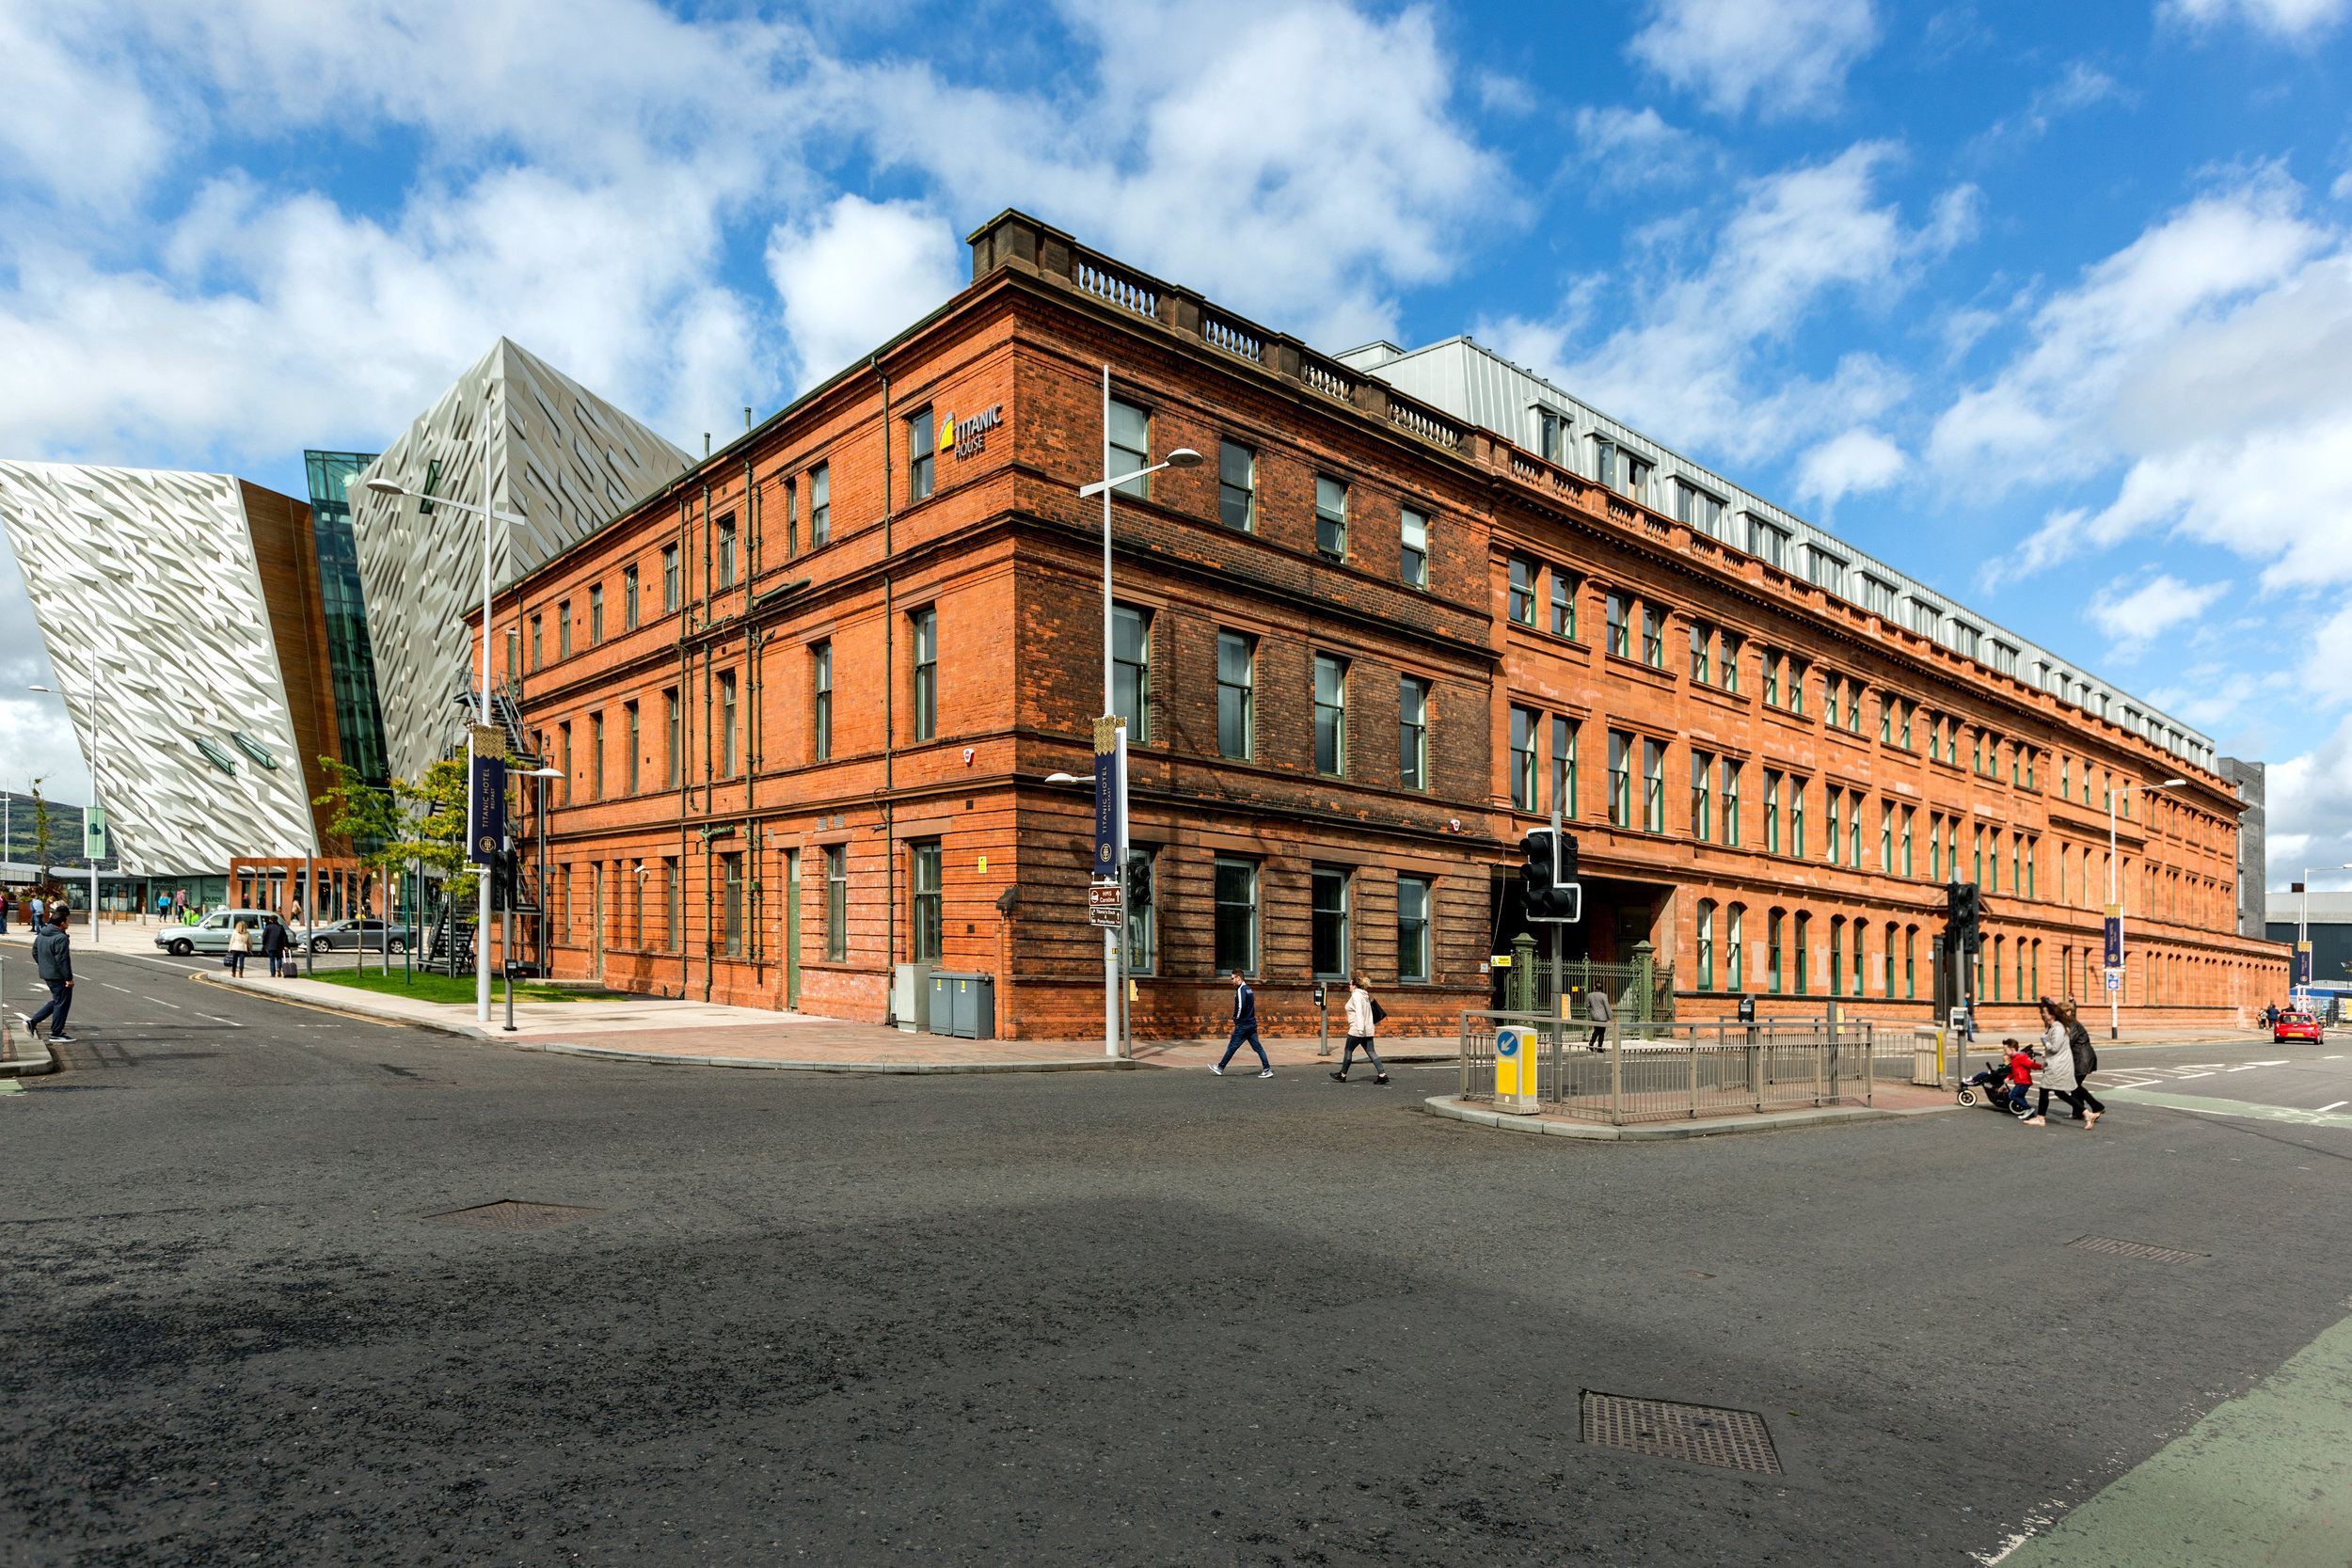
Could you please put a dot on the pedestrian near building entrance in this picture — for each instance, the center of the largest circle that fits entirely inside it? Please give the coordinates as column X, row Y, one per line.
column 274, row 948
column 41, row 908
column 239, row 944
column 1245, row 1028
column 53, row 960
column 1596, row 1008
column 1363, row 1021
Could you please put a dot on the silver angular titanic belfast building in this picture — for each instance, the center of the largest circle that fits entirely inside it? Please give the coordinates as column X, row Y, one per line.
column 560, row 458
column 191, row 600
column 238, row 634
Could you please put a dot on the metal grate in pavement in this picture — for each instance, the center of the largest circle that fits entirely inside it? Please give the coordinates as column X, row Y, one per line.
column 2133, row 1249
column 1703, row 1434
column 507, row 1214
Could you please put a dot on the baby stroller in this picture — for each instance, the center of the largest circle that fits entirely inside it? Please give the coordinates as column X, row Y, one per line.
column 1991, row 1087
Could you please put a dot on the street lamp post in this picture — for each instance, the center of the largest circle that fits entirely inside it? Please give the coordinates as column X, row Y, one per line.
column 2115, row 910
column 490, row 516
column 93, row 790
column 1115, row 939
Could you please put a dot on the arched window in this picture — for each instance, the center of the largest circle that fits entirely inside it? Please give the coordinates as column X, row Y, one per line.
column 1707, row 944
column 1773, row 924
column 1734, row 974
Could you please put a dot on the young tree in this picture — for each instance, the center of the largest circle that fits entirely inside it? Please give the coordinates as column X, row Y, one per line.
column 44, row 834
column 368, row 815
column 438, row 808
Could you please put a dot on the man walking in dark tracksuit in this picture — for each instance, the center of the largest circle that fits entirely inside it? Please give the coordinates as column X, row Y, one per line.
column 1245, row 1028
column 53, row 959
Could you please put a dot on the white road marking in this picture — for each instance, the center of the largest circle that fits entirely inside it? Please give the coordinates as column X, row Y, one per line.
column 111, row 986
column 2187, row 1075
column 2337, row 1106
column 2269, row 1064
column 218, row 1018
column 161, row 1003
column 2249, row 1067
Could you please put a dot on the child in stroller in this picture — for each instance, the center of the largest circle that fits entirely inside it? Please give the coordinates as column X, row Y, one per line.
column 2004, row 1083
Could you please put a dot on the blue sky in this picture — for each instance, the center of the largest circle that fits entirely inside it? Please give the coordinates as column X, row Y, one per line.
column 2050, row 305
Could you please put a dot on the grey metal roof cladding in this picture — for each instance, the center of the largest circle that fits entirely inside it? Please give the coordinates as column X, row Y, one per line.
column 1472, row 382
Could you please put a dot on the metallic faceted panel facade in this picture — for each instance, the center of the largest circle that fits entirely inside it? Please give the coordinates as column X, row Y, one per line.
column 560, row 458
column 152, row 575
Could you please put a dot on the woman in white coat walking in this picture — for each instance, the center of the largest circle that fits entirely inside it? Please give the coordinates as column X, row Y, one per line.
column 1363, row 1021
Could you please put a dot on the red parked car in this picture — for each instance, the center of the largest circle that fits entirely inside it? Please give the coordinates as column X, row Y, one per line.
column 2295, row 1026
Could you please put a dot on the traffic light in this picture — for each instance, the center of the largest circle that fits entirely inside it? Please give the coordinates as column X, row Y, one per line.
column 1548, row 881
column 1138, row 883
column 1964, row 915
column 1535, row 878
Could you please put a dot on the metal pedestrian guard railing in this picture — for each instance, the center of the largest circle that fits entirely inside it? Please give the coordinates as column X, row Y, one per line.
column 1679, row 1072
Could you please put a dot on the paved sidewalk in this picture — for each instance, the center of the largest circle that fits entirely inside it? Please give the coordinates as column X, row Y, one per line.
column 1888, row 1099
column 702, row 1034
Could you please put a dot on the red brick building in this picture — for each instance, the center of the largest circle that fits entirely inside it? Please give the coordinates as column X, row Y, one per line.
column 807, row 698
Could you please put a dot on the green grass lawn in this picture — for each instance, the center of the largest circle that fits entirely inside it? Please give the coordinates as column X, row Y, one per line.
column 441, row 988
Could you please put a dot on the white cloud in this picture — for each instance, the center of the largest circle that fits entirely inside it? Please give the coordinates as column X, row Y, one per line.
column 2288, row 19
column 2079, row 88
column 847, row 279
column 1786, row 56
column 1688, row 365
column 2206, row 357
column 1850, row 464
column 2310, row 808
column 2327, row 671
column 1303, row 206
column 1623, row 148
column 2132, row 620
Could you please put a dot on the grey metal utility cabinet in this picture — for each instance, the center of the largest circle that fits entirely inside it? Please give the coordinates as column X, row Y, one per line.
column 964, row 1004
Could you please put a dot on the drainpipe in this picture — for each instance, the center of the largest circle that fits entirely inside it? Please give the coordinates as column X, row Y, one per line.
column 708, row 795
column 676, row 893
column 890, row 736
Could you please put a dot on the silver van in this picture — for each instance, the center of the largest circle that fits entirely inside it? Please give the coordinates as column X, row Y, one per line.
column 212, row 934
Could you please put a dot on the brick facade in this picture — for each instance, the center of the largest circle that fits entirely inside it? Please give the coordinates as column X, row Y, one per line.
column 1007, row 559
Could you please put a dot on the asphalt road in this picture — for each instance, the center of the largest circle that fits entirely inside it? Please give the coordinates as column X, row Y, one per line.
column 1098, row 1317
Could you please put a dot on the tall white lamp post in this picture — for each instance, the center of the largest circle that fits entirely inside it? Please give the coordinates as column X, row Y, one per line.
column 2115, row 910
column 93, row 791
column 489, row 517
column 1115, row 941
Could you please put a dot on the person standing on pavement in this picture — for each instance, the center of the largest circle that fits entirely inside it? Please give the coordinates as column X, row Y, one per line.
column 2270, row 1016
column 1596, row 1008
column 1363, row 1022
column 1245, row 1028
column 274, row 947
column 53, row 960
column 41, row 908
column 240, row 944
column 7, row 903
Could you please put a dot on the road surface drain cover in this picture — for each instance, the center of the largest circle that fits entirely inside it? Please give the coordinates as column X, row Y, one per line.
column 2133, row 1249
column 1698, row 1432
column 507, row 1214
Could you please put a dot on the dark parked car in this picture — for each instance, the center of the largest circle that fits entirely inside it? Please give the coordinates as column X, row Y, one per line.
column 370, row 935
